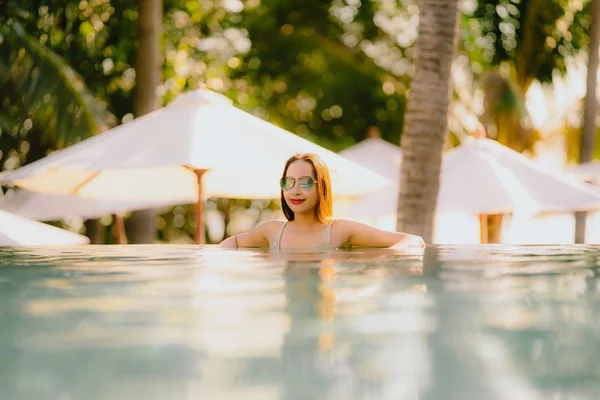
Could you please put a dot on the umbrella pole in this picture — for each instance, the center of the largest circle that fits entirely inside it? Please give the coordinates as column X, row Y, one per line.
column 200, row 208
column 120, row 229
column 483, row 229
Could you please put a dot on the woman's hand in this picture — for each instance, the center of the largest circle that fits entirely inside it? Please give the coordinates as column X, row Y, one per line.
column 410, row 242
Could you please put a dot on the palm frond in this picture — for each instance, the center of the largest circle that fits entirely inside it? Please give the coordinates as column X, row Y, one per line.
column 46, row 89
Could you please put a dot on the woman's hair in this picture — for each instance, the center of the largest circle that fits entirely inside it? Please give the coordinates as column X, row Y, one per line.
column 324, row 207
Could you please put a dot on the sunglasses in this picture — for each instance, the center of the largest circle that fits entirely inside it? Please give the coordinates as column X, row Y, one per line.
column 304, row 182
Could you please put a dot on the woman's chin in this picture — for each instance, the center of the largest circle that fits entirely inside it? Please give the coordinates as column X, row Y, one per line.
column 300, row 209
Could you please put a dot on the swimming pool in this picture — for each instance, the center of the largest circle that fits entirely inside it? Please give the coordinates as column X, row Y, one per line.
column 184, row 322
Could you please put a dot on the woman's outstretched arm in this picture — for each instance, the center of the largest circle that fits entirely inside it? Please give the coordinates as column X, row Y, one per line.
column 363, row 235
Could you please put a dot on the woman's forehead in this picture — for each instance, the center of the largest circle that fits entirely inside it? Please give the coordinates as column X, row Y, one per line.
column 300, row 168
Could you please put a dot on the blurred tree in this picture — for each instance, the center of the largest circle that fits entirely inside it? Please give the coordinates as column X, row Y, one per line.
column 45, row 103
column 148, row 77
column 426, row 125
column 306, row 71
column 504, row 114
column 534, row 37
column 589, row 131
column 512, row 43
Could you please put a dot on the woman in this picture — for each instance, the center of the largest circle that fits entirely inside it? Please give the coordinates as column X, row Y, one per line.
column 307, row 206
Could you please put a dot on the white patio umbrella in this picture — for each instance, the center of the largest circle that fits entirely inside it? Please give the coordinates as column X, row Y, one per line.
column 483, row 177
column 18, row 231
column 376, row 154
column 589, row 171
column 52, row 207
column 199, row 145
column 384, row 158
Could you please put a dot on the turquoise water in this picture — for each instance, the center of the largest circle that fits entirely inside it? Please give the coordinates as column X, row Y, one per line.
column 184, row 322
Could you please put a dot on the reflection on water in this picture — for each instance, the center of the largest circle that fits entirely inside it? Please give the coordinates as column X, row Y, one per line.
column 173, row 322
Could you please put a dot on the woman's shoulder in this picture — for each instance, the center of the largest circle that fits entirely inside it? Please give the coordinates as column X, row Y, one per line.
column 343, row 223
column 268, row 228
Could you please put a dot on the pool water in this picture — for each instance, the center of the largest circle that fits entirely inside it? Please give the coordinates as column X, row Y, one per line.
column 187, row 322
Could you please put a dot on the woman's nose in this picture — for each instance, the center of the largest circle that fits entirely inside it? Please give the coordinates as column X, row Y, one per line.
column 296, row 188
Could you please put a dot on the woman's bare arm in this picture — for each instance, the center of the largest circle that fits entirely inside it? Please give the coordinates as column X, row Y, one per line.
column 363, row 235
column 257, row 237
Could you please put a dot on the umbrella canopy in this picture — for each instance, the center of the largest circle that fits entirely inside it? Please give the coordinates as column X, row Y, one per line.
column 384, row 158
column 52, row 207
column 154, row 157
column 199, row 145
column 484, row 177
column 377, row 155
column 18, row 231
column 479, row 177
column 589, row 171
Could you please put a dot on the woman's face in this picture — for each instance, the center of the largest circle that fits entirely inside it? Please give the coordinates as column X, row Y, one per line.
column 301, row 198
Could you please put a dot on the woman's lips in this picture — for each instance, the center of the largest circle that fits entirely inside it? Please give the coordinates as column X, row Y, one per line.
column 296, row 201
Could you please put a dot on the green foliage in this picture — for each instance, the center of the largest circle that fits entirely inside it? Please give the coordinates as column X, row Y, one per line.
column 292, row 63
column 326, row 89
column 534, row 35
column 45, row 103
column 526, row 40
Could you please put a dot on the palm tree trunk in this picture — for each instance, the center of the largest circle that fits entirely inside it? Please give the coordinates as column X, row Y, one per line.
column 426, row 120
column 588, row 135
column 148, row 60
column 526, row 53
